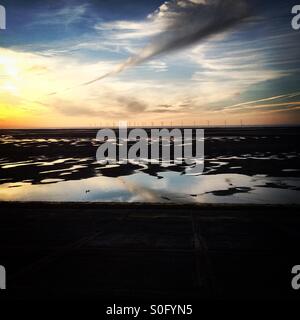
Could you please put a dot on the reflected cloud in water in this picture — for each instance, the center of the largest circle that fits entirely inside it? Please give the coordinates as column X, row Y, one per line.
column 172, row 188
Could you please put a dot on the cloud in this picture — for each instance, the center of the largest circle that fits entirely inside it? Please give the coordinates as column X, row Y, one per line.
column 158, row 66
column 128, row 29
column 162, row 110
column 70, row 109
column 256, row 102
column 116, row 106
column 66, row 16
column 132, row 105
column 178, row 24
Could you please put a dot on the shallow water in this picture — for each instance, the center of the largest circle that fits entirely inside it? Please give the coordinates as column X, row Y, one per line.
column 171, row 187
column 61, row 166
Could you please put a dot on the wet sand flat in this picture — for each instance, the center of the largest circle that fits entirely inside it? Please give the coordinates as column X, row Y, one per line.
column 241, row 165
column 139, row 252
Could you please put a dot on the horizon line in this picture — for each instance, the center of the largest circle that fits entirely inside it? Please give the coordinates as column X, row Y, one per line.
column 158, row 127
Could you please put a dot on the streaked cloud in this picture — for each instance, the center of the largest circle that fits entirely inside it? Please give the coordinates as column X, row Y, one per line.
column 177, row 24
column 65, row 15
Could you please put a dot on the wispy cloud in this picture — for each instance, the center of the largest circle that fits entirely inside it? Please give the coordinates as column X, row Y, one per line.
column 66, row 15
column 256, row 102
column 178, row 24
column 128, row 29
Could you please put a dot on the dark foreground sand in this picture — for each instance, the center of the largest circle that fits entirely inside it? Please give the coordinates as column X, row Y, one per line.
column 148, row 252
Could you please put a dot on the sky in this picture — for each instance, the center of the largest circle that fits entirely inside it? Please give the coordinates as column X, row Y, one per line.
column 93, row 63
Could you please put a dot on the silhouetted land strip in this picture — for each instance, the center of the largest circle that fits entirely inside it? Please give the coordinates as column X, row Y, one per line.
column 148, row 252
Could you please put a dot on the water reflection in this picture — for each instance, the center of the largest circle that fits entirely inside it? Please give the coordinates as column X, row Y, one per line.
column 172, row 187
column 61, row 166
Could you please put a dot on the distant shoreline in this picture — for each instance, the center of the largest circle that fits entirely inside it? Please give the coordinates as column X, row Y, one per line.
column 209, row 131
column 290, row 126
